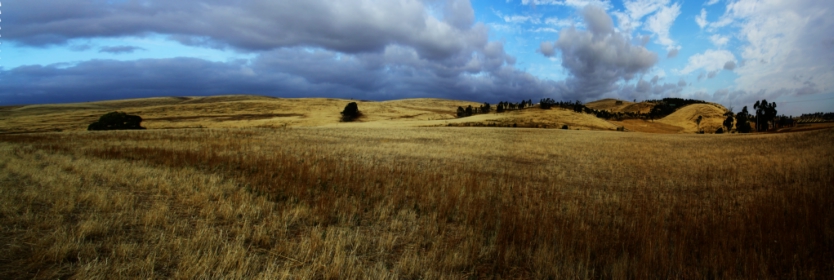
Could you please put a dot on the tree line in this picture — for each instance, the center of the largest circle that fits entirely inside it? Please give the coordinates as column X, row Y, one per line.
column 486, row 108
column 764, row 119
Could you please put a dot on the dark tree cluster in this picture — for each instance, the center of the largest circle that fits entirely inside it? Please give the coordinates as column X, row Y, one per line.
column 728, row 122
column 743, row 121
column 506, row 105
column 116, row 121
column 576, row 106
column 486, row 108
column 785, row 121
column 351, row 112
column 765, row 115
column 816, row 117
column 469, row 110
column 546, row 103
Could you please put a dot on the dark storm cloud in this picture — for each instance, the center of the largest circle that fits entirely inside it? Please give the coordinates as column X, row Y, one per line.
column 397, row 72
column 119, row 49
column 108, row 79
column 349, row 26
column 351, row 48
column 598, row 58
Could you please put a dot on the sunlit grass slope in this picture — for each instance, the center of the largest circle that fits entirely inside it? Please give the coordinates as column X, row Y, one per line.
column 239, row 111
column 415, row 203
column 610, row 104
column 226, row 111
column 712, row 117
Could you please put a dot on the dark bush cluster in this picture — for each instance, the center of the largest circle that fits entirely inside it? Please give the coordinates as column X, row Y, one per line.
column 743, row 121
column 816, row 117
column 486, row 108
column 505, row 105
column 351, row 112
column 115, row 121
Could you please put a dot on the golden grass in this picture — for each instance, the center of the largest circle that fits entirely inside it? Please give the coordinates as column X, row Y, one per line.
column 246, row 111
column 648, row 126
column 435, row 203
column 536, row 118
column 232, row 111
column 713, row 117
column 610, row 104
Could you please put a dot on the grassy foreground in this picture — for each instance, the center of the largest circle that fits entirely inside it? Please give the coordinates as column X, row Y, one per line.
column 435, row 203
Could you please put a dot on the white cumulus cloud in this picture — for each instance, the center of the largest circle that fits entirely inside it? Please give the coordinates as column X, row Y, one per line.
column 570, row 3
column 701, row 19
column 710, row 60
column 661, row 21
column 719, row 40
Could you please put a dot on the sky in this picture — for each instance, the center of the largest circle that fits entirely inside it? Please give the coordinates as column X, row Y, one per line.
column 732, row 52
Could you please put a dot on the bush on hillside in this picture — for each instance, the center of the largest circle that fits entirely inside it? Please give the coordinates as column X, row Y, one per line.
column 116, row 121
column 351, row 112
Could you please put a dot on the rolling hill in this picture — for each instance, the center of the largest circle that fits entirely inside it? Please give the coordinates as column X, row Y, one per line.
column 610, row 104
column 233, row 111
column 712, row 114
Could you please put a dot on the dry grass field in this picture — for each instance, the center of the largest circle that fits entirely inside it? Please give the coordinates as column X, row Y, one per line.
column 647, row 126
column 227, row 112
column 611, row 105
column 249, row 111
column 414, row 202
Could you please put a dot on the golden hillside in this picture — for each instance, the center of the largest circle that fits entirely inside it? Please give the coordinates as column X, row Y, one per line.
column 235, row 111
column 537, row 118
column 713, row 117
column 610, row 104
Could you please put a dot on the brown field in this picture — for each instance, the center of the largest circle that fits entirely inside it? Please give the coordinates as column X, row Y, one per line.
column 414, row 202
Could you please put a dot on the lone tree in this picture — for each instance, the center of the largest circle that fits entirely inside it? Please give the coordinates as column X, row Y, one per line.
column 351, row 112
column 728, row 122
column 116, row 120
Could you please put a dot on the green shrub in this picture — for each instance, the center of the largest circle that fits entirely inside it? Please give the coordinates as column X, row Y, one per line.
column 116, row 121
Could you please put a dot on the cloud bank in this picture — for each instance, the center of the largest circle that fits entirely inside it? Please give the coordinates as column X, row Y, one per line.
column 350, row 48
column 600, row 59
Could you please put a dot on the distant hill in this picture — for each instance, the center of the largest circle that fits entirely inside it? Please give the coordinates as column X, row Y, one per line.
column 712, row 114
column 621, row 106
column 231, row 111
